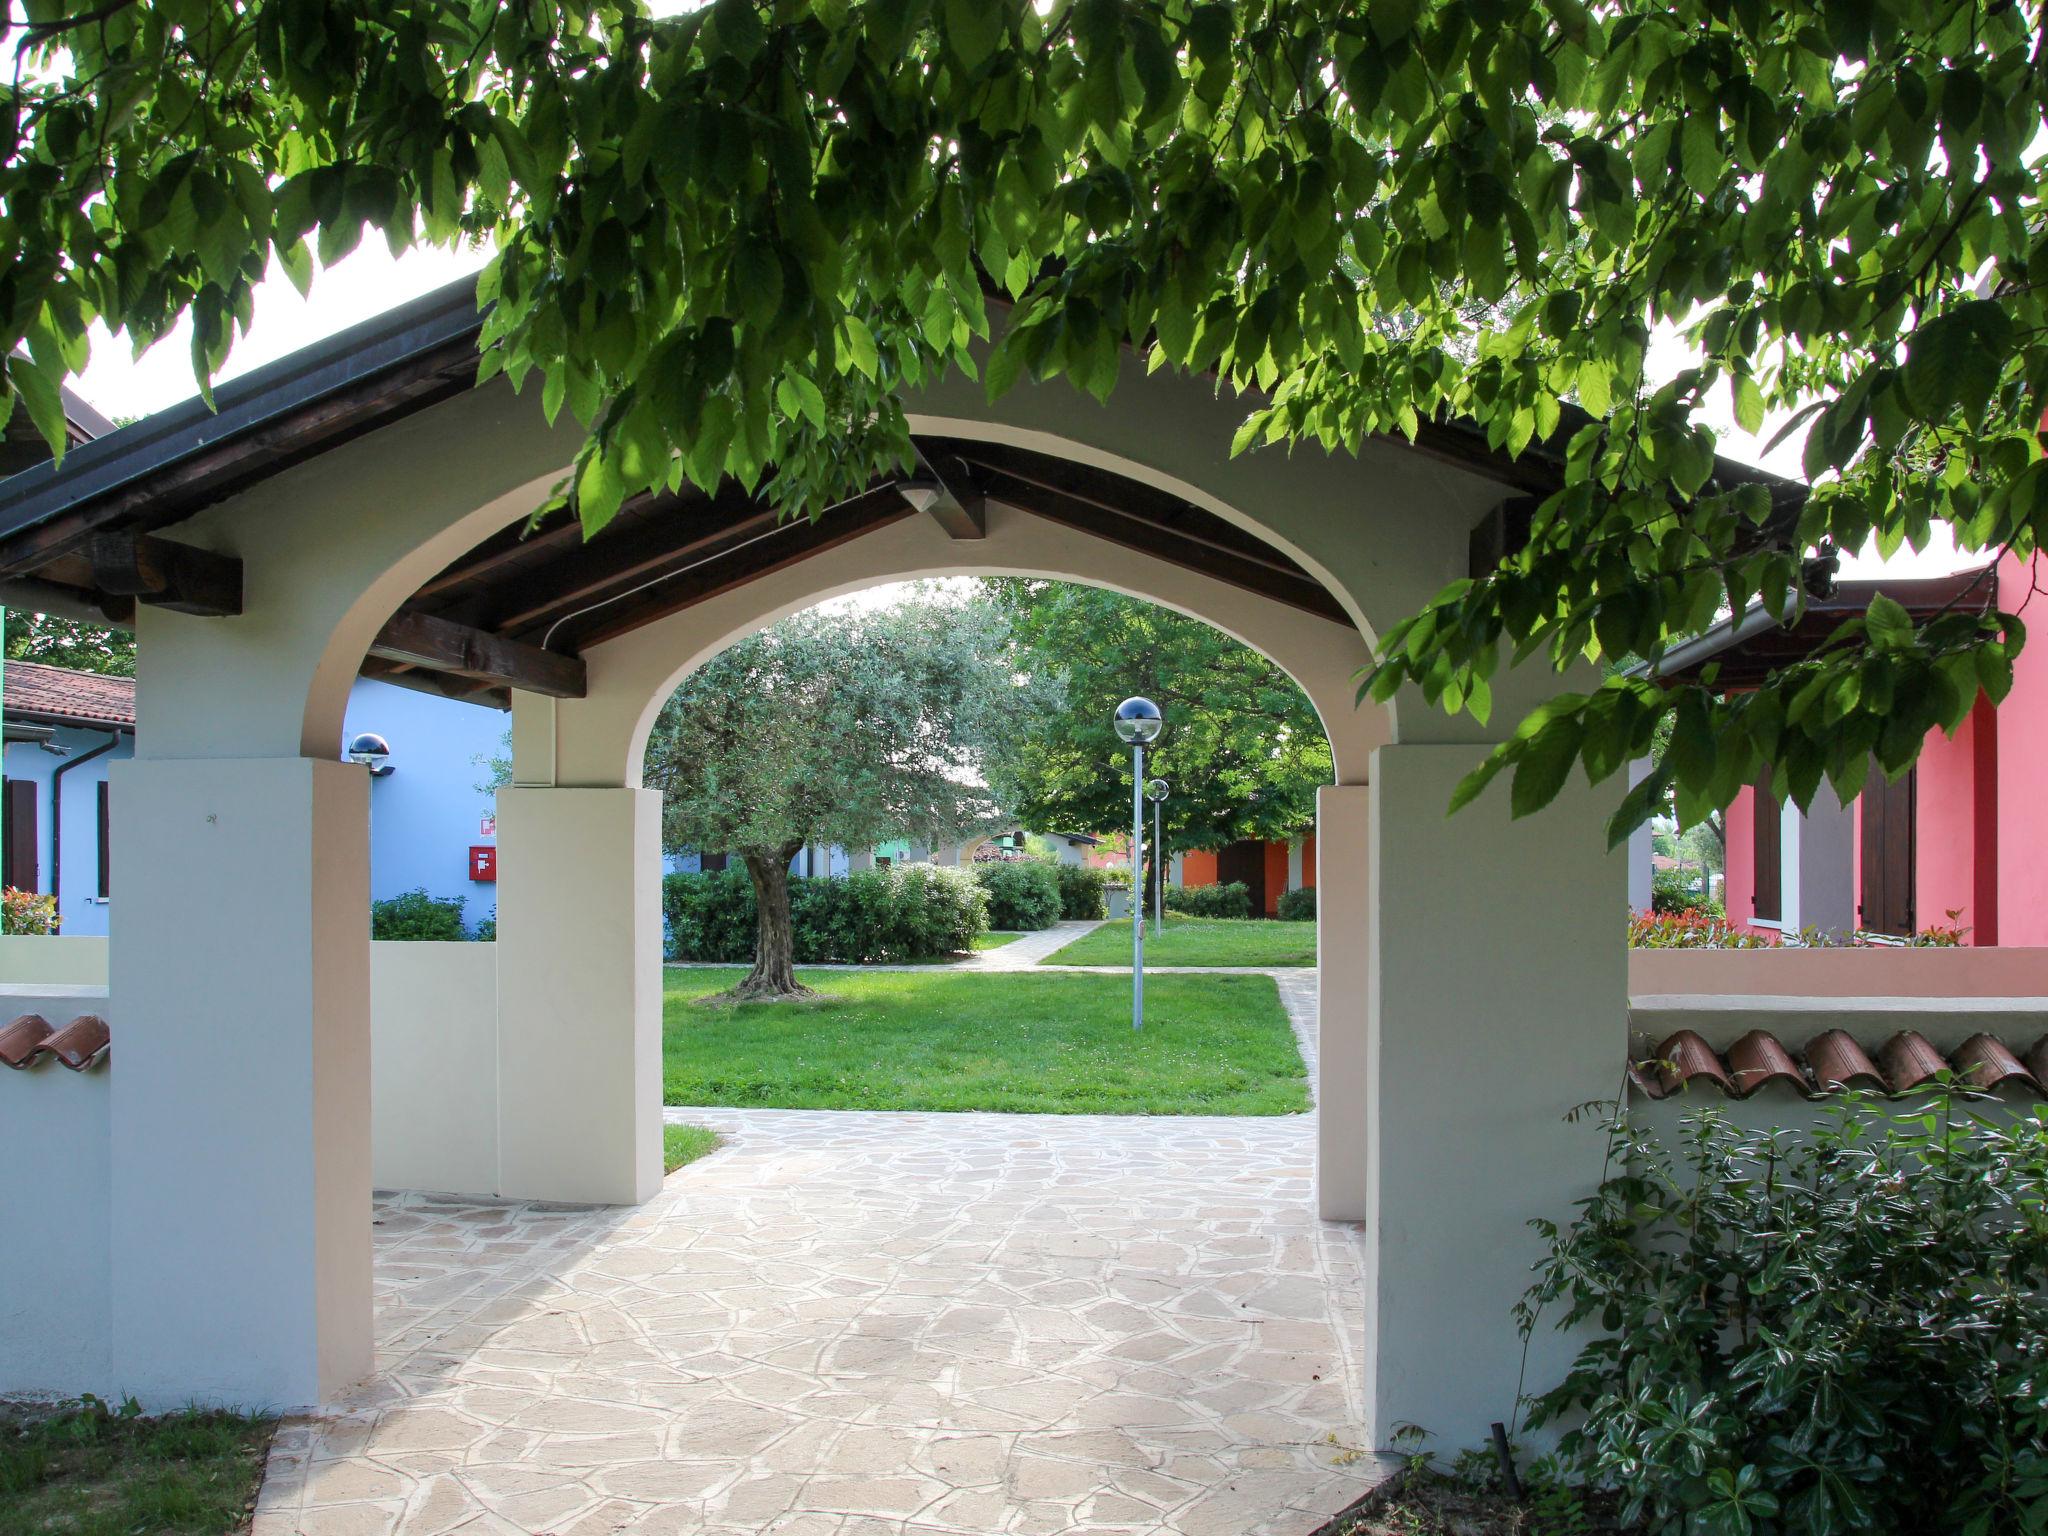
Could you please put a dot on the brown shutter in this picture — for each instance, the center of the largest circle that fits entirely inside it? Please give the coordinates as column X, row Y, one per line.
column 106, row 848
column 1766, row 843
column 1890, row 813
column 18, row 848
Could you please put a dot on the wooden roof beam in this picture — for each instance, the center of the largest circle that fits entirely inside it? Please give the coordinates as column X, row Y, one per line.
column 440, row 645
column 166, row 574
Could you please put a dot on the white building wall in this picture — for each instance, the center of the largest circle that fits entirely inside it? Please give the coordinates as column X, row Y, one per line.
column 54, row 1227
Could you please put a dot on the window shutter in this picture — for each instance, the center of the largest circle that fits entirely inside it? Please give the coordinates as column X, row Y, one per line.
column 1767, row 847
column 1890, row 865
column 106, row 848
column 18, row 855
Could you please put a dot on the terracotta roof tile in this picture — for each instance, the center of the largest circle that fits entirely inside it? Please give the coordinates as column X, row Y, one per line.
column 80, row 1044
column 60, row 696
column 1834, row 1061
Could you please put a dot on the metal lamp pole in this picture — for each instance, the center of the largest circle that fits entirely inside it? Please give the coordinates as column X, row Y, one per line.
column 1139, row 723
column 1156, row 792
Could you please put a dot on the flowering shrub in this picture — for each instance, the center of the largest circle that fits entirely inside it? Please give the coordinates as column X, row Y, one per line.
column 1690, row 929
column 27, row 912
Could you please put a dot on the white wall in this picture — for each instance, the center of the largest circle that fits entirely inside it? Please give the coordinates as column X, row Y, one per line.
column 29, row 959
column 54, row 1228
column 434, row 1067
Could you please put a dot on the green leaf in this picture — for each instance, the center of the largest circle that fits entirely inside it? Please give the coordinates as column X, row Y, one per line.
column 859, row 346
column 1699, row 155
column 1888, row 624
column 41, row 393
column 974, row 28
column 1749, row 403
column 1543, row 764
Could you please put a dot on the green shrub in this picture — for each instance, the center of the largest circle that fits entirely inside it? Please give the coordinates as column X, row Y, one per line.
column 1297, row 906
column 1082, row 892
column 1799, row 1333
column 1022, row 893
column 418, row 916
column 1680, row 890
column 1232, row 900
column 487, row 930
column 908, row 912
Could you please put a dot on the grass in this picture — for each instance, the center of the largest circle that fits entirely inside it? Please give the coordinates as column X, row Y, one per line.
column 993, row 940
column 1019, row 1042
column 1196, row 941
column 682, row 1144
column 83, row 1470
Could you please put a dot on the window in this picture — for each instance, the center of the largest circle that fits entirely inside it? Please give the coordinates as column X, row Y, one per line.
column 1767, row 849
column 106, row 848
column 18, row 835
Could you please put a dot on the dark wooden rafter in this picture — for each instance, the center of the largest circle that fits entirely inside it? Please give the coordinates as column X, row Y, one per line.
column 440, row 645
column 166, row 574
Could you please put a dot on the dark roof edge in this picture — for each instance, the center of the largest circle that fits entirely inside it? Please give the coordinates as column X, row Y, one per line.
column 242, row 406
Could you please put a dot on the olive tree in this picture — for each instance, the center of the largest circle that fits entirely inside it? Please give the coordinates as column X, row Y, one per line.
column 832, row 726
column 730, row 241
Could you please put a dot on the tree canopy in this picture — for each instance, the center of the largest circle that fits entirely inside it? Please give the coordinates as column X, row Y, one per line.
column 832, row 726
column 1243, row 749
column 62, row 642
column 730, row 240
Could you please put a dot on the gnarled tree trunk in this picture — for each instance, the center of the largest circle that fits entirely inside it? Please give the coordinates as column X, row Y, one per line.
column 773, row 978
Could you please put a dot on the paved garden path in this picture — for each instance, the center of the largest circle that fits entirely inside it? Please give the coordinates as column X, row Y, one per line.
column 866, row 1324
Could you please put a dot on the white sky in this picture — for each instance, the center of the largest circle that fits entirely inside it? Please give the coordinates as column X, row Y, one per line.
column 371, row 280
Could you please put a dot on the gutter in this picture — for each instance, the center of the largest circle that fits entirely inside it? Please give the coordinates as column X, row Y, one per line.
column 57, row 818
column 1704, row 648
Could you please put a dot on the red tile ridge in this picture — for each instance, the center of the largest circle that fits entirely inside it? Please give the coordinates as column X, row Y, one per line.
column 1910, row 1060
column 80, row 1043
column 1838, row 1062
column 1758, row 1058
column 21, row 1041
column 1685, row 1056
column 1983, row 1061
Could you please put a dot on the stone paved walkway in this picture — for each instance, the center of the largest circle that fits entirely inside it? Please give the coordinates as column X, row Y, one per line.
column 855, row 1324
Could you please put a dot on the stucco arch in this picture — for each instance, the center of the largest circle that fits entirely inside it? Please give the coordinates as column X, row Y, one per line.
column 600, row 740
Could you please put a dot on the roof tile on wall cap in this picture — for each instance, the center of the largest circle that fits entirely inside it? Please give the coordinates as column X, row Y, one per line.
column 1838, row 1062
column 78, row 1045
column 1910, row 1060
column 1983, row 1061
column 1757, row 1058
column 1834, row 1062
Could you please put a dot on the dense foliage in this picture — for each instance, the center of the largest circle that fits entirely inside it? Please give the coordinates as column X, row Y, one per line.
column 733, row 239
column 876, row 916
column 1229, row 899
column 1709, row 928
column 415, row 915
column 1243, row 749
column 832, row 726
column 1022, row 893
column 1844, row 1330
column 60, row 642
column 1297, row 905
column 27, row 912
column 1083, row 890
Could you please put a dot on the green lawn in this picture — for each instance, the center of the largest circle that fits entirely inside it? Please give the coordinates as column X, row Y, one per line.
column 85, row 1471
column 993, row 940
column 682, row 1144
column 1196, row 941
column 1025, row 1043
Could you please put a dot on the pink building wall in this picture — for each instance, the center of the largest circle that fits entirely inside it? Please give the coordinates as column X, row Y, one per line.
column 1981, row 811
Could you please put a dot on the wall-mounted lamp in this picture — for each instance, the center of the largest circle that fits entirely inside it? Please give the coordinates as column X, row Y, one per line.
column 373, row 752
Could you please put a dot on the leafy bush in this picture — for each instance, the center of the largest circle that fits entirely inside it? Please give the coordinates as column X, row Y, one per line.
column 908, row 912
column 1232, row 900
column 487, row 930
column 27, row 913
column 418, row 916
column 1838, row 1330
column 1298, row 906
column 1022, row 893
column 1690, row 929
column 1679, row 890
column 1082, row 892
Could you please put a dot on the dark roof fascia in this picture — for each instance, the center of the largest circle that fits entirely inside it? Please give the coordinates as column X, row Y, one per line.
column 75, row 722
column 130, row 455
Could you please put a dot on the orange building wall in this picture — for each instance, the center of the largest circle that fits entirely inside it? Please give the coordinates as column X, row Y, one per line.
column 1198, row 869
column 1308, row 861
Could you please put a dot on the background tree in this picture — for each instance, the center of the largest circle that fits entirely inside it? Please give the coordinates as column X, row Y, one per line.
column 834, row 727
column 71, row 643
column 732, row 240
column 1243, row 748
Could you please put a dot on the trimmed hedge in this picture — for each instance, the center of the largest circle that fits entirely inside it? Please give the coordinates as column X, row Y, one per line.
column 877, row 916
column 1082, row 892
column 1232, row 900
column 417, row 916
column 1022, row 893
column 1297, row 906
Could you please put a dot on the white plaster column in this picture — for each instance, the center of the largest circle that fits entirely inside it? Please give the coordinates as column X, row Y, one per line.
column 579, row 994
column 1294, row 865
column 1343, row 987
column 1641, row 848
column 240, row 1248
column 1491, row 1018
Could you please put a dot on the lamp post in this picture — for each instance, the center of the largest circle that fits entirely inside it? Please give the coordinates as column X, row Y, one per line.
column 1139, row 723
column 1156, row 792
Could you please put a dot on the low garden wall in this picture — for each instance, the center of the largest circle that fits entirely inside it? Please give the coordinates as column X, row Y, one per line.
column 1875, row 971
column 39, row 959
column 434, row 1066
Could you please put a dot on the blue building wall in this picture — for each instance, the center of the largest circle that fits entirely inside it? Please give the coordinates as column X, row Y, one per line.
column 427, row 813
column 79, row 906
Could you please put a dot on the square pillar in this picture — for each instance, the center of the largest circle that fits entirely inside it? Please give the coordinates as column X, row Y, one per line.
column 1343, row 987
column 1499, row 1002
column 240, row 995
column 579, row 994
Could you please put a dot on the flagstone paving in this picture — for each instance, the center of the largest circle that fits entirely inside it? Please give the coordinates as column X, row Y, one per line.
column 864, row 1324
